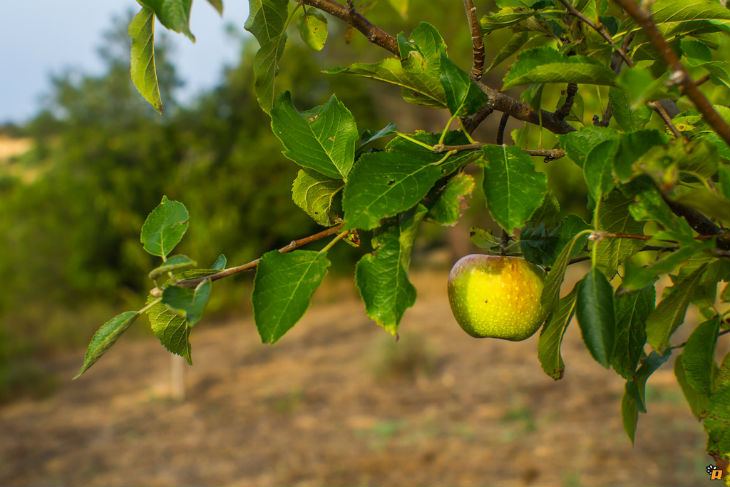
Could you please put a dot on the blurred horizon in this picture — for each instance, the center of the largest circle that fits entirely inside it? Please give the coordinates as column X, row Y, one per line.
column 61, row 40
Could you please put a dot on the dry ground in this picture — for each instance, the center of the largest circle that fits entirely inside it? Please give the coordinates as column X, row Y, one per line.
column 336, row 403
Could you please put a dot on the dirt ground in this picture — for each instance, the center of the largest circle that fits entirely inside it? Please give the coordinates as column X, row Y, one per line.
column 338, row 403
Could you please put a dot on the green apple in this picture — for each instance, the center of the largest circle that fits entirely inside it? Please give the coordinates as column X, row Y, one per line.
column 494, row 296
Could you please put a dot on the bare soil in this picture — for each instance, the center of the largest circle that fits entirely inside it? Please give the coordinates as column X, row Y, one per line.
column 338, row 403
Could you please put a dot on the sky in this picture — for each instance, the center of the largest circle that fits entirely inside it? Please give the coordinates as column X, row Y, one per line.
column 41, row 37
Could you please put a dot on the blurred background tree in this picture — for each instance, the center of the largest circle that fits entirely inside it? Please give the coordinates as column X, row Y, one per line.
column 71, row 207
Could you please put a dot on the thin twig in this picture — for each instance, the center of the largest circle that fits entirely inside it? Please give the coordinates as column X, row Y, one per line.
column 601, row 30
column 477, row 68
column 502, row 127
column 548, row 154
column 680, row 345
column 679, row 74
column 294, row 244
column 471, row 123
column 564, row 110
column 667, row 119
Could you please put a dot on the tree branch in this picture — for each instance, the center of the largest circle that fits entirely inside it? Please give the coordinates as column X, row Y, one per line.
column 294, row 244
column 523, row 111
column 667, row 119
column 502, row 127
column 477, row 41
column 679, row 73
column 601, row 30
column 564, row 110
column 497, row 100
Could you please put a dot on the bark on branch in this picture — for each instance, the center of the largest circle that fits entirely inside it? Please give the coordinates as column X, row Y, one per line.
column 477, row 41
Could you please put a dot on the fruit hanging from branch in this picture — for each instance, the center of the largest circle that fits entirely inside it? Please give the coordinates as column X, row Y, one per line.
column 497, row 297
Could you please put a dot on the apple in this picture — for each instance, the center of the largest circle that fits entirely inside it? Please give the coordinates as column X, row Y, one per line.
column 495, row 296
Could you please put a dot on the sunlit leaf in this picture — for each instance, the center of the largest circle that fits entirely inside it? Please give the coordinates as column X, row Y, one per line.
column 164, row 227
column 142, row 69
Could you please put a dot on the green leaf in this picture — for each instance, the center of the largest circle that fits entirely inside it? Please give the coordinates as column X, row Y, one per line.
column 452, row 200
column 551, row 337
column 483, row 239
column 217, row 5
column 640, row 86
column 105, row 337
column 171, row 329
column 220, row 263
column 417, row 72
column 698, row 357
column 164, row 227
column 463, row 95
column 699, row 403
column 707, row 202
column 554, row 279
column 313, row 29
column 695, row 51
column 650, row 206
column 639, row 277
column 383, row 184
column 637, row 387
column 547, row 65
column 517, row 40
column 370, row 136
column 626, row 116
column 671, row 14
column 173, row 14
column 716, row 423
column 629, row 415
column 542, row 247
column 632, row 309
column 142, row 66
column 631, row 147
column 724, row 180
column 265, row 67
column 189, row 302
column 722, row 378
column 595, row 312
column 614, row 216
column 598, row 168
column 266, row 19
column 317, row 196
column 321, row 139
column 282, row 288
column 514, row 189
column 382, row 275
column 175, row 263
column 415, row 88
column 579, row 143
column 719, row 72
column 669, row 314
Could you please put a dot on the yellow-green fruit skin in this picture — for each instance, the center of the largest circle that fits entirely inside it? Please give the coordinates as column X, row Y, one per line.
column 498, row 297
